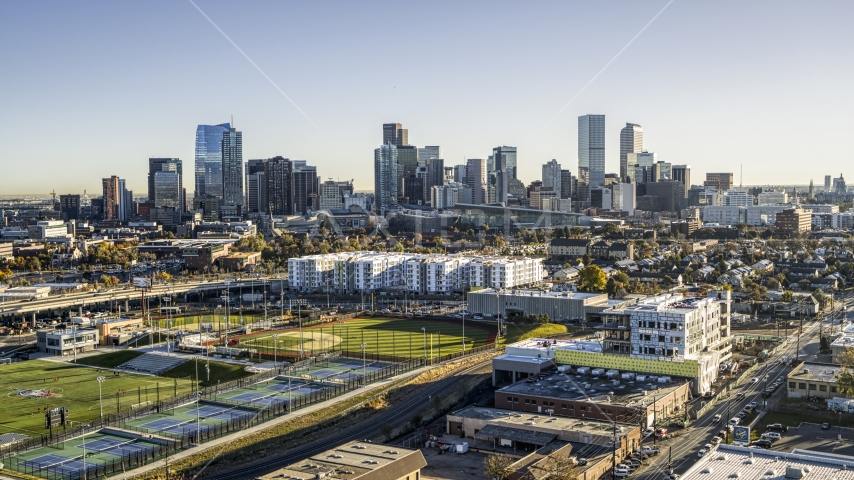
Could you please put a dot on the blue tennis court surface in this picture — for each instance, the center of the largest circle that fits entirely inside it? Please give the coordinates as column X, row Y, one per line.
column 257, row 399
column 117, row 447
column 66, row 465
column 323, row 372
column 219, row 413
column 171, row 426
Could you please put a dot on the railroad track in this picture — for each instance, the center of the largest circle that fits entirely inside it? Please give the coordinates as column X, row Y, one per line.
column 398, row 412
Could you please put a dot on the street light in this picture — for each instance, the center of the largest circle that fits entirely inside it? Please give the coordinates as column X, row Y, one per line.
column 100, row 403
column 275, row 346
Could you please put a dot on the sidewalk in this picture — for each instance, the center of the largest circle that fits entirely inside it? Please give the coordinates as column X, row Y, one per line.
column 249, row 431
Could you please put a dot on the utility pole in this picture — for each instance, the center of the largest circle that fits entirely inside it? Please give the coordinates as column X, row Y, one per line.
column 614, row 453
column 800, row 332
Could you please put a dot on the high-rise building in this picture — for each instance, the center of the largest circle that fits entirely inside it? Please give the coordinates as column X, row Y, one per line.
column 552, row 176
column 255, row 183
column 566, row 184
column 277, row 190
column 476, row 179
column 504, row 167
column 167, row 188
column 156, row 165
column 591, row 150
column 682, row 173
column 332, row 194
column 385, row 177
column 125, row 209
column 623, row 197
column 232, row 168
column 721, row 181
column 631, row 141
column 305, row 187
column 111, row 197
column 827, row 180
column 426, row 153
column 208, row 167
column 69, row 206
column 448, row 177
column 662, row 171
column 459, row 173
column 395, row 134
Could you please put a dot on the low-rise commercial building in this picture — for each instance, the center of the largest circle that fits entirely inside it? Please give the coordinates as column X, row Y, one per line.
column 559, row 306
column 356, row 461
column 118, row 331
column 731, row 461
column 812, row 380
column 568, row 247
column 65, row 342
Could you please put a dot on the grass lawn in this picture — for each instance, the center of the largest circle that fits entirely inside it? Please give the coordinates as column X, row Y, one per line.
column 109, row 360
column 384, row 336
column 516, row 333
column 219, row 372
column 76, row 389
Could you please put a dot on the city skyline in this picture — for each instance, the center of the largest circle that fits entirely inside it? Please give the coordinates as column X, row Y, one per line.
column 680, row 79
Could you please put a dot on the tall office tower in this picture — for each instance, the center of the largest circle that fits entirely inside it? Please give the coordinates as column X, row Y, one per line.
column 167, row 188
column 582, row 189
column 277, row 189
column 721, row 181
column 232, row 168
column 682, row 173
column 623, row 197
column 426, row 153
column 631, row 141
column 811, row 191
column 111, row 198
column 591, row 149
column 448, row 177
column 459, row 173
column 208, row 167
column 435, row 173
column 827, row 180
column 69, row 206
column 385, row 178
column 662, row 171
column 476, row 180
column 505, row 165
column 552, row 175
column 156, row 165
column 124, row 202
column 395, row 134
column 408, row 162
column 566, row 190
column 489, row 188
column 305, row 187
column 255, row 186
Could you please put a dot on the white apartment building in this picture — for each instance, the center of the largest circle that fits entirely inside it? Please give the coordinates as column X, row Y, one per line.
column 48, row 229
column 736, row 198
column 821, row 208
column 428, row 274
column 772, row 198
column 724, row 215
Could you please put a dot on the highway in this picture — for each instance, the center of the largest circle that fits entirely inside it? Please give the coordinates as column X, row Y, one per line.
column 684, row 448
column 82, row 299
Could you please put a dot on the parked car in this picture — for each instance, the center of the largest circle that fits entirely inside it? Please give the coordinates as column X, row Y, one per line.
column 701, row 452
column 752, row 404
column 648, row 432
column 651, row 450
column 762, row 443
column 825, row 426
column 777, row 427
column 716, row 440
column 771, row 436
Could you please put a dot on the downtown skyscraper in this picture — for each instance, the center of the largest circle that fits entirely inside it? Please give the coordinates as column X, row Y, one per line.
column 385, row 178
column 232, row 168
column 631, row 141
column 591, row 154
column 173, row 196
column 208, row 167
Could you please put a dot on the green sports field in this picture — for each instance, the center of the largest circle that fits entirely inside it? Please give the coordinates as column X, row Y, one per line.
column 402, row 338
column 76, row 389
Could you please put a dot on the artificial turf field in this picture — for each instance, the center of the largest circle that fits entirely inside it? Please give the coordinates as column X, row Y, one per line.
column 400, row 337
column 76, row 389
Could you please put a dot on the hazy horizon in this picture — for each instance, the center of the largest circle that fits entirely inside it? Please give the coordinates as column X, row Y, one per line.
column 93, row 89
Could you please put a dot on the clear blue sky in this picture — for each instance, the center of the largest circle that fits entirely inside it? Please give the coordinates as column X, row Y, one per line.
column 92, row 89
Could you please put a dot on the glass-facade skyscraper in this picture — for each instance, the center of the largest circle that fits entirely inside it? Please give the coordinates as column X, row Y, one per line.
column 385, row 178
column 174, row 165
column 631, row 141
column 208, row 167
column 591, row 151
column 232, row 167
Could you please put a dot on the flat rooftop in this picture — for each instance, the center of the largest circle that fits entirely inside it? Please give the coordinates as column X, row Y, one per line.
column 575, row 387
column 675, row 303
column 353, row 460
column 530, row 421
column 728, row 461
column 545, row 345
column 816, row 372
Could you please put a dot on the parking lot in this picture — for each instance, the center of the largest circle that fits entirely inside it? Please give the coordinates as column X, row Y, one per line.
column 810, row 436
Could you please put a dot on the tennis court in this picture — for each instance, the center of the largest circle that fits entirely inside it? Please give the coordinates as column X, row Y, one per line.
column 192, row 418
column 96, row 453
column 259, row 398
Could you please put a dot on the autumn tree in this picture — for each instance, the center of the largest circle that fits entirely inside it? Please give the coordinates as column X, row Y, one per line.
column 497, row 467
column 592, row 279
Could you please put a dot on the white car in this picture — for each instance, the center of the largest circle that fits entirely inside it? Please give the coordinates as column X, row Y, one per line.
column 754, row 380
column 648, row 432
column 701, row 452
column 772, row 436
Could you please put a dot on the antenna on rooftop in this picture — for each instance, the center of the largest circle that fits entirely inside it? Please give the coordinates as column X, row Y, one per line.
column 232, row 120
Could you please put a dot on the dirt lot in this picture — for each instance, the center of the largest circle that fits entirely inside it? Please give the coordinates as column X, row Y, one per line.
column 452, row 466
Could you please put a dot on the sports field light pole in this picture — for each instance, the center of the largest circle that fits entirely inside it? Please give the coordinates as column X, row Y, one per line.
column 464, row 332
column 100, row 403
column 275, row 345
column 83, row 445
column 364, row 362
column 198, row 420
column 423, row 329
